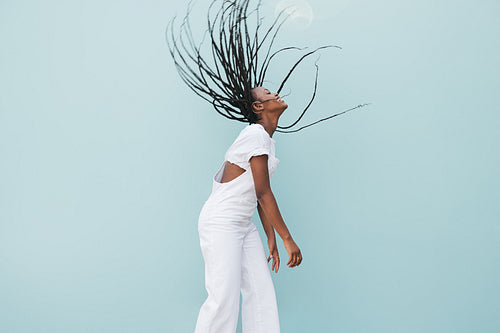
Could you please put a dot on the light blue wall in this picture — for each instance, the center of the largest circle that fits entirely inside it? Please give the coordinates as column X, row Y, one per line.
column 106, row 159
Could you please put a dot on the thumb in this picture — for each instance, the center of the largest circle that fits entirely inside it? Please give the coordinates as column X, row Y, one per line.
column 269, row 258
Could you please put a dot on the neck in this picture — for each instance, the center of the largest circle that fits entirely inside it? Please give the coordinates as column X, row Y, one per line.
column 269, row 123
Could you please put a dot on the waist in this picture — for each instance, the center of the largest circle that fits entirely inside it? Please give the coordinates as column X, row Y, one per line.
column 228, row 208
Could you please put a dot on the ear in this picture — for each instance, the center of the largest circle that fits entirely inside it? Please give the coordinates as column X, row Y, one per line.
column 257, row 106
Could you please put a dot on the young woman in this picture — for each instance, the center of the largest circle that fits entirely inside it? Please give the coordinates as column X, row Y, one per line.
column 232, row 82
column 234, row 256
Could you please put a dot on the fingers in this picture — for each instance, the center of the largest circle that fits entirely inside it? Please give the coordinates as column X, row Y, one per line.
column 276, row 264
column 295, row 259
column 299, row 259
column 276, row 260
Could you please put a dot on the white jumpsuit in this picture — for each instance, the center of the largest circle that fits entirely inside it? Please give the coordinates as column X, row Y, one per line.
column 235, row 259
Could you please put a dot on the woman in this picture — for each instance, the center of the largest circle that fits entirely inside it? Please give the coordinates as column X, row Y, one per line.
column 235, row 260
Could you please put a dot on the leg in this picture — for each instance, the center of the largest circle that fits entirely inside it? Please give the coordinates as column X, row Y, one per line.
column 221, row 246
column 259, row 306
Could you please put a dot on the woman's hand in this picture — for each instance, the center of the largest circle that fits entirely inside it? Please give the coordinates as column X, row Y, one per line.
column 294, row 255
column 273, row 253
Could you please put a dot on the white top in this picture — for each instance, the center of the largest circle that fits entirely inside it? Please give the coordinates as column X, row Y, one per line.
column 236, row 200
column 253, row 140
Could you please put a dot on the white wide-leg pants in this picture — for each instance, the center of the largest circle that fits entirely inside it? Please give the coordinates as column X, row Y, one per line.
column 235, row 261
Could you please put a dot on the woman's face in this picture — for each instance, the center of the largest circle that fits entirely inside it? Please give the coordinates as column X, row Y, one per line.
column 267, row 101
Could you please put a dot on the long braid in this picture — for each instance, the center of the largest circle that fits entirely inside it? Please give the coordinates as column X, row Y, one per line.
column 236, row 68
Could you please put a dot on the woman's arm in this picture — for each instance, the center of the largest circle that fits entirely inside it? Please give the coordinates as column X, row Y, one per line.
column 271, row 239
column 266, row 224
column 269, row 207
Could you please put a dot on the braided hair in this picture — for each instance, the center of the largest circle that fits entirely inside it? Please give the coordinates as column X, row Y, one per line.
column 239, row 59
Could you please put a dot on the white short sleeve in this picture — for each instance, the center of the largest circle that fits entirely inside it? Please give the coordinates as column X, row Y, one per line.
column 252, row 141
column 258, row 144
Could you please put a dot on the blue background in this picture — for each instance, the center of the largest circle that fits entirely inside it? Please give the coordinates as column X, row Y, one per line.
column 106, row 159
